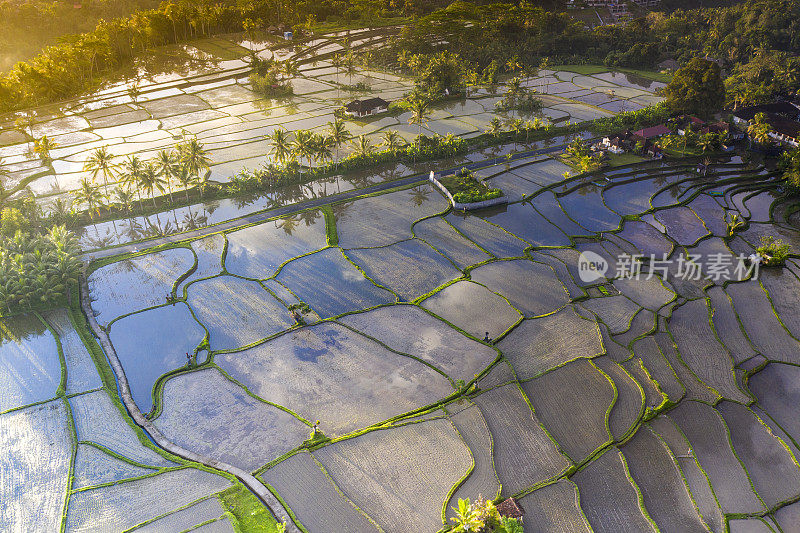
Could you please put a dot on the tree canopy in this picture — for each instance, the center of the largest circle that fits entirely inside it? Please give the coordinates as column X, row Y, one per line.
column 697, row 88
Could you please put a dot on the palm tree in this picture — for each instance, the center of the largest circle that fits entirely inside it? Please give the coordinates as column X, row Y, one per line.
column 43, row 146
column 466, row 517
column 495, row 127
column 338, row 134
column 150, row 180
column 166, row 164
column 705, row 142
column 131, row 175
column 513, row 64
column 185, row 179
column 391, row 140
column 337, row 61
column 420, row 111
column 302, row 145
column 281, row 145
column 322, row 147
column 124, row 196
column 90, row 195
column 194, row 157
column 759, row 129
column 350, row 66
column 363, row 146
column 100, row 163
column 517, row 125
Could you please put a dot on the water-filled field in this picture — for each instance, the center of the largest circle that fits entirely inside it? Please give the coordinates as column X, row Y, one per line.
column 201, row 90
column 454, row 355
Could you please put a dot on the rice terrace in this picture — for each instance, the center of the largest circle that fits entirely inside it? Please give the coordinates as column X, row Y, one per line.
column 426, row 266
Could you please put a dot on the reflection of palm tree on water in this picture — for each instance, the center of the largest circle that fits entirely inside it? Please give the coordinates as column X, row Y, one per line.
column 288, row 224
column 419, row 195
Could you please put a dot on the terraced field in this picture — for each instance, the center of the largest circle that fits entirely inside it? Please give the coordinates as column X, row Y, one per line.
column 211, row 99
column 369, row 362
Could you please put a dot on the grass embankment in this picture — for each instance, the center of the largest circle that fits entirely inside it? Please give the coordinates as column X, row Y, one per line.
column 251, row 515
column 588, row 70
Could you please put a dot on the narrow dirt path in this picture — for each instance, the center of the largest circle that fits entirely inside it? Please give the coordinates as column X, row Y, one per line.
column 250, row 481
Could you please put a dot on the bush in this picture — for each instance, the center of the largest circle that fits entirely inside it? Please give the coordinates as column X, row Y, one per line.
column 631, row 120
column 269, row 84
column 482, row 516
column 477, row 196
column 467, row 190
column 773, row 251
column 13, row 221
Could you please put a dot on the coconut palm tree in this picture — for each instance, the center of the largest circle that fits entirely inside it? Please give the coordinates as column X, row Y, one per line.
column 150, row 180
column 362, row 146
column 759, row 129
column 281, row 145
column 420, row 111
column 392, row 140
column 131, row 175
column 322, row 147
column 90, row 195
column 513, row 64
column 43, row 146
column 495, row 127
column 167, row 166
column 124, row 196
column 337, row 61
column 100, row 163
column 338, row 134
column 185, row 180
column 194, row 157
column 302, row 145
column 350, row 66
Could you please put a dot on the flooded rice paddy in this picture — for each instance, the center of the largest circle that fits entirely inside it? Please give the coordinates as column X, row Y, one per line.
column 655, row 402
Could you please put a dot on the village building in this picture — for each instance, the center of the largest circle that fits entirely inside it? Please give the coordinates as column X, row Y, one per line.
column 367, row 107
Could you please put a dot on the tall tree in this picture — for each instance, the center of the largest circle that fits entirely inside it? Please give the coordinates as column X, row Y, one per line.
column 338, row 134
column 281, row 147
column 167, row 166
column 100, row 163
column 420, row 110
column 696, row 88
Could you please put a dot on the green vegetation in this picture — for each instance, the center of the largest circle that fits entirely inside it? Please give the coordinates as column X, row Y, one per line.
column 466, row 189
column 773, row 251
column 27, row 27
column 518, row 97
column 251, row 516
column 580, row 158
column 691, row 143
column 696, row 89
column 757, row 44
column 759, row 129
column 482, row 516
column 271, row 78
column 631, row 120
column 627, row 158
column 37, row 271
column 789, row 164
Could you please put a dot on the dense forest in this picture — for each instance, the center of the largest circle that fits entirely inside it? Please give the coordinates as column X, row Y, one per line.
column 755, row 42
column 28, row 26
